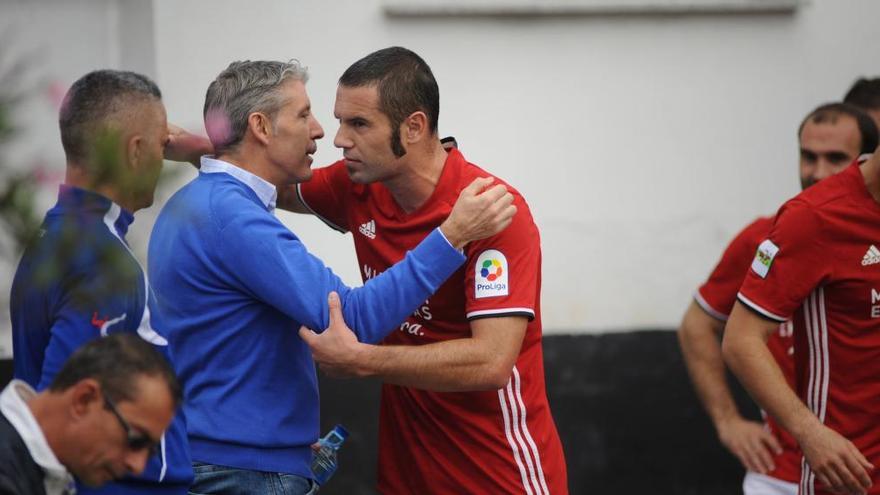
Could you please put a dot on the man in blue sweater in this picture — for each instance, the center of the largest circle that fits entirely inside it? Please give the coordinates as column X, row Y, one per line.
column 233, row 285
column 78, row 280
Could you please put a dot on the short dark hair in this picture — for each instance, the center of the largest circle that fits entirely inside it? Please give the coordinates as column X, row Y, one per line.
column 864, row 93
column 116, row 361
column 405, row 84
column 91, row 103
column 830, row 112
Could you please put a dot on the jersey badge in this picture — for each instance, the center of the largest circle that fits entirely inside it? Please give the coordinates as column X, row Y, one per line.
column 490, row 275
column 764, row 258
column 103, row 324
column 872, row 257
column 368, row 229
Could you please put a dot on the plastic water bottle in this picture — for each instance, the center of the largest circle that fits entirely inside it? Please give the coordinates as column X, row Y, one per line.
column 324, row 459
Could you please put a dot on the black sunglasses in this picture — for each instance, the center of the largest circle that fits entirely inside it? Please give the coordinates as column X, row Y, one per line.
column 135, row 440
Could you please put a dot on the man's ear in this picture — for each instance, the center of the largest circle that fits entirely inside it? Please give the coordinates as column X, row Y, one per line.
column 134, row 150
column 414, row 128
column 86, row 395
column 260, row 126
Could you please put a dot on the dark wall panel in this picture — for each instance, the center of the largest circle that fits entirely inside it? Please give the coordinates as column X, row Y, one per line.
column 628, row 417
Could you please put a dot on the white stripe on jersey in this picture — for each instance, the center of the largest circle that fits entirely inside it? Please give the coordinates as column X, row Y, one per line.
column 718, row 315
column 145, row 330
column 527, row 433
column 817, row 388
column 519, row 437
column 507, row 431
column 500, row 311
column 823, row 322
column 748, row 302
column 164, row 462
column 806, row 472
column 811, row 347
column 517, row 434
column 807, row 487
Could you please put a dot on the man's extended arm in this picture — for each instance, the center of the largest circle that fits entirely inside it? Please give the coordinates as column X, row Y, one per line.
column 296, row 282
column 837, row 463
column 183, row 146
column 698, row 336
column 483, row 361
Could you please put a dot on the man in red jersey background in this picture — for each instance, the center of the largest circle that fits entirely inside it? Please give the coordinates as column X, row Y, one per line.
column 819, row 267
column 464, row 407
column 830, row 138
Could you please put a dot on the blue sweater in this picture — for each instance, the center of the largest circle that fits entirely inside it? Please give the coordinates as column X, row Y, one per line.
column 233, row 286
column 79, row 281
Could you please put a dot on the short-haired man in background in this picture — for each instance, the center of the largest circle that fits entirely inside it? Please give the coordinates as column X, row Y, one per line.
column 78, row 280
column 819, row 267
column 100, row 418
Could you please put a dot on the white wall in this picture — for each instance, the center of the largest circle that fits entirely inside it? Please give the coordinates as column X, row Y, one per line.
column 642, row 143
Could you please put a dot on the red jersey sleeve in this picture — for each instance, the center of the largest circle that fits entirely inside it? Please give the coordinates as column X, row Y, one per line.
column 788, row 265
column 327, row 195
column 503, row 272
column 717, row 295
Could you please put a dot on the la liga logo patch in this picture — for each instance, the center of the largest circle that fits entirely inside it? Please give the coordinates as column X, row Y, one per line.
column 491, row 270
column 490, row 274
column 764, row 258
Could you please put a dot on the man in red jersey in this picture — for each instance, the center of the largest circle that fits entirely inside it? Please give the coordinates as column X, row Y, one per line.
column 464, row 407
column 830, row 138
column 820, row 267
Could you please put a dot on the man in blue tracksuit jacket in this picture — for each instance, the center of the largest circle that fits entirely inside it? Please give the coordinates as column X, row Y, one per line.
column 78, row 280
column 233, row 285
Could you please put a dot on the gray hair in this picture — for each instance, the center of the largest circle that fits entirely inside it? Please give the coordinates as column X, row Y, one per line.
column 241, row 89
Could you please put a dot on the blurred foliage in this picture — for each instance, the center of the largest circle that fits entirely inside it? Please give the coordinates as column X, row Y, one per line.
column 73, row 247
column 17, row 212
column 18, row 188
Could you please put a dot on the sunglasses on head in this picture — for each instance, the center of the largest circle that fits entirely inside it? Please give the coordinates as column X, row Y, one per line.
column 135, row 440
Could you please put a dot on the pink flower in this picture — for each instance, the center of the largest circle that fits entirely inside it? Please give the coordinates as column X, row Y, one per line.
column 218, row 126
column 44, row 176
column 55, row 92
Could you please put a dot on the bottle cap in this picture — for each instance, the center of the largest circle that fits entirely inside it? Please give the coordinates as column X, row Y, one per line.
column 341, row 431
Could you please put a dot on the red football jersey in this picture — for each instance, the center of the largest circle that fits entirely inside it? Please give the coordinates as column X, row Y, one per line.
column 717, row 297
column 492, row 442
column 820, row 266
